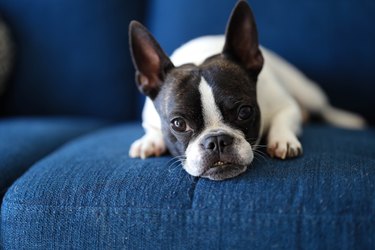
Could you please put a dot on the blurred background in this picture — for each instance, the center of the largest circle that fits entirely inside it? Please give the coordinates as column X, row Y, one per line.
column 73, row 59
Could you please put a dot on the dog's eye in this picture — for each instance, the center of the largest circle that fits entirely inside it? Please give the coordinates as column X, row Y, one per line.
column 245, row 113
column 179, row 125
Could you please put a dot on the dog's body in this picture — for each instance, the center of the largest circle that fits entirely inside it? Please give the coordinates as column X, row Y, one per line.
column 216, row 98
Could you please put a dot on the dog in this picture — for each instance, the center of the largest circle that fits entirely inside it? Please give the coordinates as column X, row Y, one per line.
column 217, row 96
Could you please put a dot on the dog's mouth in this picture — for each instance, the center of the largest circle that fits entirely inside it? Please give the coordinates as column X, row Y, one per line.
column 221, row 170
column 220, row 164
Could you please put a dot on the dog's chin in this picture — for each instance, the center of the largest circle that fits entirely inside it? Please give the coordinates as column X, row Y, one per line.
column 224, row 171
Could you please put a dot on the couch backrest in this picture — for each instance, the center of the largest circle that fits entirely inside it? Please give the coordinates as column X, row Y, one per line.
column 72, row 58
column 333, row 41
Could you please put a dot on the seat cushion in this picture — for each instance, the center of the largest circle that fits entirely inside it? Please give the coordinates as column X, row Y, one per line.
column 90, row 194
column 23, row 141
column 69, row 51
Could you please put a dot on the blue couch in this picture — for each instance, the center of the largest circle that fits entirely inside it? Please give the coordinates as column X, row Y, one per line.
column 71, row 111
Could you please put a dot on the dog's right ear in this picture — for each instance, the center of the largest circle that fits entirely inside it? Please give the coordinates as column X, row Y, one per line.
column 149, row 59
column 241, row 39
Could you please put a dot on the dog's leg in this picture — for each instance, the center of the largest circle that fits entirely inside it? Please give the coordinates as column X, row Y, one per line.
column 282, row 135
column 152, row 143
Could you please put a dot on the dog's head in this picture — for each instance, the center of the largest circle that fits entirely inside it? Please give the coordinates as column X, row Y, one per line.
column 209, row 112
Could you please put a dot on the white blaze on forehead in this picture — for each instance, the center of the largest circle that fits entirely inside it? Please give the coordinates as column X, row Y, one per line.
column 213, row 120
column 211, row 113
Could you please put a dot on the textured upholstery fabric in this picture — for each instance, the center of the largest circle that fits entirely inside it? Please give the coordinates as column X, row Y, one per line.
column 72, row 58
column 23, row 141
column 90, row 195
column 331, row 41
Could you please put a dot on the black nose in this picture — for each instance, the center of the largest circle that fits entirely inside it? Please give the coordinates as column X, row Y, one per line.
column 217, row 142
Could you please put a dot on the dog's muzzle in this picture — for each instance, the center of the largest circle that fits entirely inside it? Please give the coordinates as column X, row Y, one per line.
column 221, row 162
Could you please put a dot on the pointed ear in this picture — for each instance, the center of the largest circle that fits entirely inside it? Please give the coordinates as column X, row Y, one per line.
column 150, row 61
column 241, row 39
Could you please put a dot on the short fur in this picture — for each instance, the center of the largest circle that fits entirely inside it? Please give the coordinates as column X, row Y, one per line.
column 218, row 95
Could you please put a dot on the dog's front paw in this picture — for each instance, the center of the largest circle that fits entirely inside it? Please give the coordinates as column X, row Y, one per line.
column 147, row 146
column 284, row 146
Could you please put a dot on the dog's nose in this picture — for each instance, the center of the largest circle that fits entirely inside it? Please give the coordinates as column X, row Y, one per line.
column 217, row 142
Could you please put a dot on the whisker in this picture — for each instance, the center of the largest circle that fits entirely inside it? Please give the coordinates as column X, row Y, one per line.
column 259, row 155
column 259, row 151
column 178, row 157
column 175, row 162
column 173, row 166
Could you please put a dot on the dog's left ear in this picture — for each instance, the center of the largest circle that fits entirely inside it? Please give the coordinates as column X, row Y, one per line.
column 241, row 39
column 149, row 59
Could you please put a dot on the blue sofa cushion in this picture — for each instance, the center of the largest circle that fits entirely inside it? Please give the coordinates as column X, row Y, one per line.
column 23, row 141
column 72, row 58
column 331, row 41
column 90, row 194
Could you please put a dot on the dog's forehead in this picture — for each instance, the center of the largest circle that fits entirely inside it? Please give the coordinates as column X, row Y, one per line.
column 226, row 75
column 227, row 80
column 182, row 83
column 216, row 70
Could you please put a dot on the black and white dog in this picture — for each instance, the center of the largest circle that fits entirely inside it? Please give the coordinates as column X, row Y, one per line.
column 216, row 96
